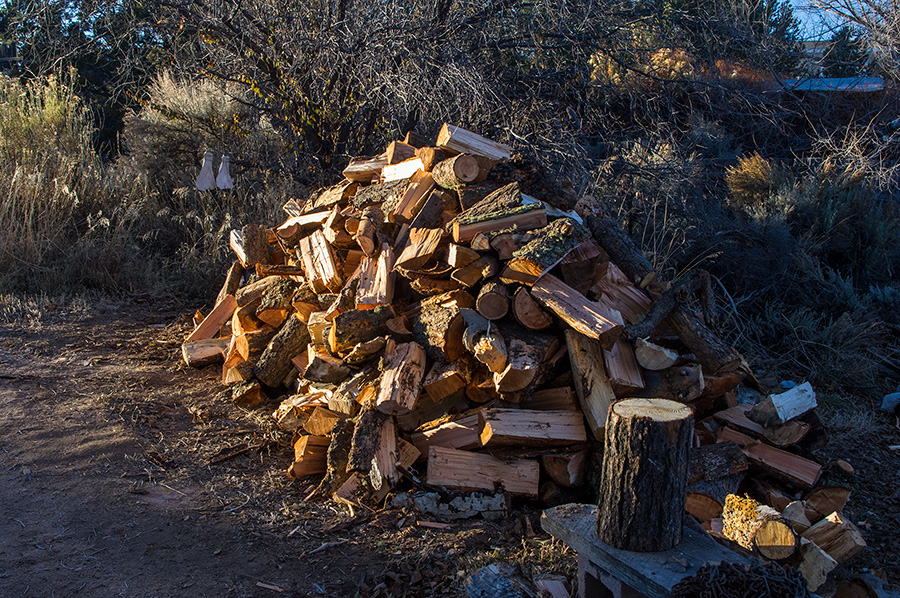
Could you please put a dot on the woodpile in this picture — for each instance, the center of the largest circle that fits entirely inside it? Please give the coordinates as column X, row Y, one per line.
column 427, row 323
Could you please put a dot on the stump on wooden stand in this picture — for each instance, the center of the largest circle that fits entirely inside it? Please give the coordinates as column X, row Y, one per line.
column 645, row 470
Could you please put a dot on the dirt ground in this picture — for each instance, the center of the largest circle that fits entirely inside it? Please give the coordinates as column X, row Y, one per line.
column 118, row 480
column 106, row 441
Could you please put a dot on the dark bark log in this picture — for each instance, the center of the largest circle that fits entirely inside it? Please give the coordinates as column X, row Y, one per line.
column 275, row 362
column 645, row 465
column 366, row 437
column 696, row 282
column 715, row 355
column 613, row 239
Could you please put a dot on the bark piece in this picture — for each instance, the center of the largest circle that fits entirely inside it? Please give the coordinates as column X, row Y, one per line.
column 595, row 392
column 546, row 249
column 459, row 140
column 500, row 210
column 589, row 318
column 401, row 380
column 462, row 470
column 336, row 194
column 644, row 480
column 366, row 351
column 214, row 320
column 524, row 427
column 275, row 362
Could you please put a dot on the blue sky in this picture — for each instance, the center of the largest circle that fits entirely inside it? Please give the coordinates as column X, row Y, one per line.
column 814, row 24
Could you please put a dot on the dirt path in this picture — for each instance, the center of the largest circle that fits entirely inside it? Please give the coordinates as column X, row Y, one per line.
column 112, row 487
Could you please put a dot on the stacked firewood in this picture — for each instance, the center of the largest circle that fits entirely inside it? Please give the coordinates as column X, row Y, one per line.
column 434, row 323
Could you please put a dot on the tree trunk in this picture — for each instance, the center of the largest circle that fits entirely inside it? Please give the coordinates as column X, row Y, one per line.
column 645, row 464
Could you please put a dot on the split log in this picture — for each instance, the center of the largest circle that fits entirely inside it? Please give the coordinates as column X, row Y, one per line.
column 324, row 368
column 580, row 265
column 290, row 231
column 546, row 249
column 209, row 351
column 622, row 368
column 376, row 280
column 783, row 407
column 383, row 474
column 827, row 499
column 213, row 321
column 383, row 195
column 334, row 230
column 430, row 156
column 402, row 171
column 588, row 318
column 322, row 422
column 527, row 353
column 702, row 507
column 779, row 463
column 462, row 470
column 815, row 564
column 366, row 351
column 470, row 195
column 613, row 239
column 419, row 189
column 428, row 212
column 439, row 326
column 528, row 313
column 551, row 399
column 795, row 514
column 459, row 256
column 769, row 494
column 459, row 140
column 250, row 345
column 310, row 457
column 457, row 432
column 366, row 438
column 838, row 537
column 244, row 319
column 490, row 349
column 680, row 383
column 364, row 169
column 784, row 435
column 567, row 469
column 247, row 395
column 232, row 282
column 758, row 528
column 370, row 225
column 318, row 327
column 255, row 291
column 429, row 287
column 653, row 357
column 507, row 243
column 523, row 427
column 595, row 392
column 643, row 485
column 333, row 195
column 401, row 379
column 444, row 381
column 356, row 326
column 275, row 362
column 493, row 300
column 319, row 263
column 251, row 244
column 397, row 152
column 241, row 372
column 500, row 210
column 456, row 171
column 715, row 461
column 422, row 244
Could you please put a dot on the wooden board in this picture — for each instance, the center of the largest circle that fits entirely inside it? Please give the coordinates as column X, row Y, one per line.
column 653, row 574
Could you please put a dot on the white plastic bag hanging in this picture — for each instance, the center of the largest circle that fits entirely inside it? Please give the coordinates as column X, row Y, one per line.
column 223, row 181
column 206, row 180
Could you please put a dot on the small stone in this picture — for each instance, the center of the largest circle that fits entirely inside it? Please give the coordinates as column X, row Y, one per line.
column 890, row 402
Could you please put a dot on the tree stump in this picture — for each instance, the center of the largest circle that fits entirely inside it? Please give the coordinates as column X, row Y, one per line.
column 644, row 480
